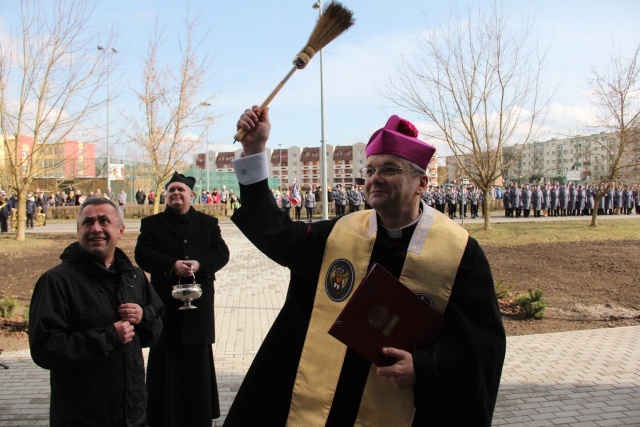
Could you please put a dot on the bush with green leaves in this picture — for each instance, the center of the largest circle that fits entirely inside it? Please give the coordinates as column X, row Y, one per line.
column 532, row 304
column 7, row 306
column 25, row 316
column 502, row 290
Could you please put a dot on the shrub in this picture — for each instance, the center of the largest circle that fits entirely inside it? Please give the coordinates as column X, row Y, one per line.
column 7, row 306
column 532, row 304
column 25, row 317
column 502, row 290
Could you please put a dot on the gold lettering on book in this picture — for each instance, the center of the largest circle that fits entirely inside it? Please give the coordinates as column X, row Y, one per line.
column 391, row 325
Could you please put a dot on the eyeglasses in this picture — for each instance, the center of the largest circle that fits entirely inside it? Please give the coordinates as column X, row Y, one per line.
column 386, row 171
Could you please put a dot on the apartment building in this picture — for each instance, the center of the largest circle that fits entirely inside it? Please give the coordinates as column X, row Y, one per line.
column 304, row 164
column 68, row 159
column 578, row 158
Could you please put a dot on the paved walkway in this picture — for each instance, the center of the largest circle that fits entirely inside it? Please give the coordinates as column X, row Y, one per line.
column 584, row 378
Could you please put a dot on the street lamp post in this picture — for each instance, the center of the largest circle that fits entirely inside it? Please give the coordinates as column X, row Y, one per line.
column 110, row 52
column 323, row 142
column 206, row 162
column 280, row 166
column 206, row 155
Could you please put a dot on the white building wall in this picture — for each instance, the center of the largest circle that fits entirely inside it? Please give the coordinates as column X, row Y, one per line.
column 556, row 157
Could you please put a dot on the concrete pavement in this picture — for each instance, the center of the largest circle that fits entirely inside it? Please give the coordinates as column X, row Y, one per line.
column 582, row 378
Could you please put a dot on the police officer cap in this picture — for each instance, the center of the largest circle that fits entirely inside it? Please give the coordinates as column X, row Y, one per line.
column 189, row 181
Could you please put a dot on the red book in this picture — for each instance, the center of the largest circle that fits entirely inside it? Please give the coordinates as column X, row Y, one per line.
column 384, row 313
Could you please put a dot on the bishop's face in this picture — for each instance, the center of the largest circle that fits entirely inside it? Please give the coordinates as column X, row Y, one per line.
column 393, row 196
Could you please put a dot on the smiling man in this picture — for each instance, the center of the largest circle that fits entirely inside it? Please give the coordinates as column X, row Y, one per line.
column 301, row 374
column 89, row 318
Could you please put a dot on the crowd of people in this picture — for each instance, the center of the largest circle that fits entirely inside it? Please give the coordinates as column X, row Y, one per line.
column 341, row 200
column 517, row 200
column 38, row 202
column 539, row 200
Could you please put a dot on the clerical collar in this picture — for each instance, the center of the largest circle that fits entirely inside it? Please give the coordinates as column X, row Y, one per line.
column 396, row 233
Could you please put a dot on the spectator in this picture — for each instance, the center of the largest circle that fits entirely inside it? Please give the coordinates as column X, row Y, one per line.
column 43, row 203
column 31, row 210
column 109, row 194
column 224, row 198
column 140, row 196
column 89, row 318
column 309, row 204
column 5, row 212
column 235, row 204
column 285, row 203
column 59, row 199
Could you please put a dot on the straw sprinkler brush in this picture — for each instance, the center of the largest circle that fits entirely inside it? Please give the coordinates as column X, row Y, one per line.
column 333, row 22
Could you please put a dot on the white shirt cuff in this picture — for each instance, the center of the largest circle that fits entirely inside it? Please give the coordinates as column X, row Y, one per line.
column 251, row 169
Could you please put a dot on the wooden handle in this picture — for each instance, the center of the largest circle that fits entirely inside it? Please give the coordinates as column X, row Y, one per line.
column 241, row 133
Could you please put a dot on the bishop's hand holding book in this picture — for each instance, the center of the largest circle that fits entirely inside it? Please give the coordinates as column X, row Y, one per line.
column 385, row 313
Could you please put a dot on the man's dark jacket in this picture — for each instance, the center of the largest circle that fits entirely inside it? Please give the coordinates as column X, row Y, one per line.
column 160, row 244
column 95, row 379
column 140, row 197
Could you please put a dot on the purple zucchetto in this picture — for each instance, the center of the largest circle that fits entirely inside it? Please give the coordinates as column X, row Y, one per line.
column 399, row 138
column 189, row 181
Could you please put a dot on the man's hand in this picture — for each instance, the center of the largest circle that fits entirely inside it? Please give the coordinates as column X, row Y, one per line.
column 195, row 266
column 185, row 268
column 125, row 331
column 401, row 373
column 258, row 128
column 130, row 312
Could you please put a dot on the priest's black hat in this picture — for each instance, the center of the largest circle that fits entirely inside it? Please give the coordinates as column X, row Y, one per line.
column 189, row 181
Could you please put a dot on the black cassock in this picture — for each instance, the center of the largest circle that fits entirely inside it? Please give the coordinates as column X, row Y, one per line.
column 180, row 371
column 457, row 378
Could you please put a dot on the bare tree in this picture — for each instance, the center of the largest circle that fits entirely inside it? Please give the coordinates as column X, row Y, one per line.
column 49, row 79
column 173, row 107
column 478, row 82
column 615, row 95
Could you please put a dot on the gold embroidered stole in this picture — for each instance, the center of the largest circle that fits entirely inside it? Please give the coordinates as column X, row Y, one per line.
column 432, row 261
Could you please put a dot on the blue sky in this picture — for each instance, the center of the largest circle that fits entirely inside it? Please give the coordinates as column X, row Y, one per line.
column 253, row 42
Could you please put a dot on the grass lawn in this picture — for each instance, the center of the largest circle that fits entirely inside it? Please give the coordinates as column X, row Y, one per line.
column 513, row 234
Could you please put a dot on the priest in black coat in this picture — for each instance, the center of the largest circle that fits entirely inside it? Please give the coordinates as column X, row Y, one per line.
column 180, row 246
column 303, row 376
